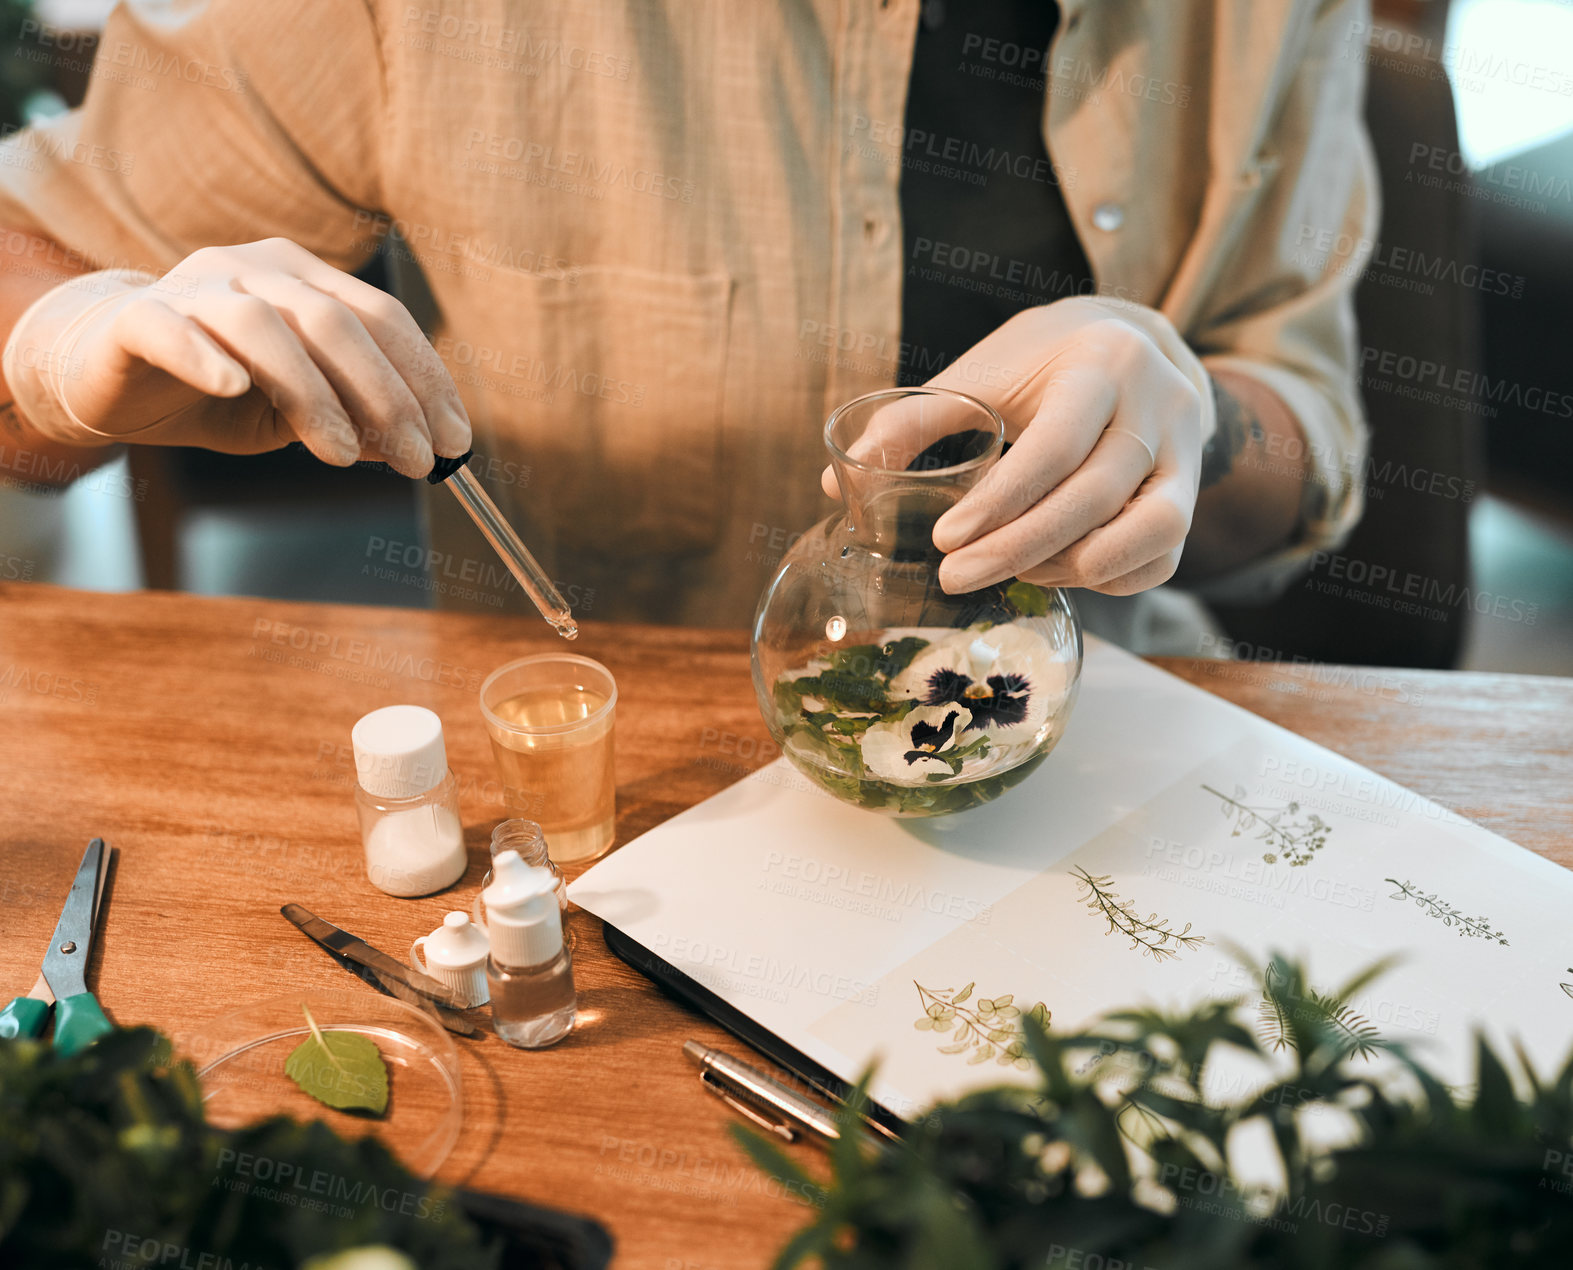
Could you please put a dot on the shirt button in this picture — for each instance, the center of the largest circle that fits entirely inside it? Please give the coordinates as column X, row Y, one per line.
column 1108, row 217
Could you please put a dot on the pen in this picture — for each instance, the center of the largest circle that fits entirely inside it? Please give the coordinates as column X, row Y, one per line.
column 764, row 1100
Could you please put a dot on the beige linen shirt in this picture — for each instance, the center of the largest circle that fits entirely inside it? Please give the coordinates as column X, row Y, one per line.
column 657, row 241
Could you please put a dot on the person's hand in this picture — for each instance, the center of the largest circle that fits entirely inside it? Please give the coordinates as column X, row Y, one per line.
column 1107, row 410
column 237, row 349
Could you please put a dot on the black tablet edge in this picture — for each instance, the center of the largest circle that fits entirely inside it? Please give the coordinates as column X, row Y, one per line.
column 692, row 993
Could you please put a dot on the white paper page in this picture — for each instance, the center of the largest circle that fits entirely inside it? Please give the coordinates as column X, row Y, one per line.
column 834, row 927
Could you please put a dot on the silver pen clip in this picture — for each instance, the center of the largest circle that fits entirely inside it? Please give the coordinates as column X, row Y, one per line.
column 780, row 1128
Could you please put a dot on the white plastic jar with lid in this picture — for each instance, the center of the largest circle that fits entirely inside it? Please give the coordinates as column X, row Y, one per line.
column 408, row 802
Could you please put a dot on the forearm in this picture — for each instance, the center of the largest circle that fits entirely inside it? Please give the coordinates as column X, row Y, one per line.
column 33, row 267
column 1253, row 480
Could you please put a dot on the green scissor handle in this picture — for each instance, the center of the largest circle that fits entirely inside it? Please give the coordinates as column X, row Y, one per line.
column 79, row 1021
column 25, row 1016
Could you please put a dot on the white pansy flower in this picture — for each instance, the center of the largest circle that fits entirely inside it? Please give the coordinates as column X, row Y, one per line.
column 907, row 751
column 1007, row 677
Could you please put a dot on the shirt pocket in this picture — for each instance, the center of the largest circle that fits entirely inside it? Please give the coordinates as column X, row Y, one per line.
column 612, row 387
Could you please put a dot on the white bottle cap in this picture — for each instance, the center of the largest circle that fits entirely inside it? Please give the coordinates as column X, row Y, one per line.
column 399, row 751
column 522, row 917
column 458, row 944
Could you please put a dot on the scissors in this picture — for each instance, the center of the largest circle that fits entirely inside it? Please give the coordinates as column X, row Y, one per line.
column 79, row 1020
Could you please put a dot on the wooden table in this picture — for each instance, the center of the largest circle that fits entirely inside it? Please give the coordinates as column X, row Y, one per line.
column 208, row 740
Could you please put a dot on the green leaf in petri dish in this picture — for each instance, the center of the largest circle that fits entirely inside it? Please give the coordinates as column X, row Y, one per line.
column 342, row 1070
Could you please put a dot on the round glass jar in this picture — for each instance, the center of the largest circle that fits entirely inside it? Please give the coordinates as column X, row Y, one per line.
column 878, row 685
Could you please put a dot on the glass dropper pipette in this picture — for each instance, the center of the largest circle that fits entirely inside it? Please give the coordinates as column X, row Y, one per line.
column 505, row 542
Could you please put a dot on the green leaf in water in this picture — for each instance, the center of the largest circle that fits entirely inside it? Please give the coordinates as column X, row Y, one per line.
column 343, row 1070
column 1030, row 600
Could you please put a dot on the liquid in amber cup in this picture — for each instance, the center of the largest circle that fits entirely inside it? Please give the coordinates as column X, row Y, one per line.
column 550, row 718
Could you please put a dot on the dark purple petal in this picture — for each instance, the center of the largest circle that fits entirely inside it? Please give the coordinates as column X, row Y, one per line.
column 946, row 685
column 1008, row 705
column 928, row 734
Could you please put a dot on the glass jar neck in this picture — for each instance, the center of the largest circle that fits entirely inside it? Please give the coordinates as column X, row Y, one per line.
column 892, row 512
column 524, row 836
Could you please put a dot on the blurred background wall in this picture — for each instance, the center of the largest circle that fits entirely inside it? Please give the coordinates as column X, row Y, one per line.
column 1466, row 341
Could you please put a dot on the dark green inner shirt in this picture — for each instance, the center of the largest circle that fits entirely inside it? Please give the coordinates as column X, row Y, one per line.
column 984, row 226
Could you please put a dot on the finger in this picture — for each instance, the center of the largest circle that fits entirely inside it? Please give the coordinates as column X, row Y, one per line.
column 1153, row 573
column 1151, row 525
column 1077, row 402
column 150, row 330
column 252, row 332
column 390, row 420
column 1090, row 497
column 403, row 343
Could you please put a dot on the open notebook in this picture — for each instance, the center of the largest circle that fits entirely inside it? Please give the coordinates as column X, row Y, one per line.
column 1166, row 826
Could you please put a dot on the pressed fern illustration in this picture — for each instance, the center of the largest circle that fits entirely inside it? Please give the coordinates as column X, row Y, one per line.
column 1288, row 1008
column 989, row 1027
column 1469, row 927
column 1152, row 934
column 1288, row 833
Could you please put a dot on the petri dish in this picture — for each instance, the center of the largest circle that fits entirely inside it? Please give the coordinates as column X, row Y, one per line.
column 240, row 1059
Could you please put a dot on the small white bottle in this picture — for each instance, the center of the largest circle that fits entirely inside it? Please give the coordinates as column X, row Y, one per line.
column 408, row 802
column 530, row 971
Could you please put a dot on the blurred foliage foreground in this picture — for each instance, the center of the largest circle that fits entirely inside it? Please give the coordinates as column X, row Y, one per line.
column 1114, row 1158
column 1111, row 1157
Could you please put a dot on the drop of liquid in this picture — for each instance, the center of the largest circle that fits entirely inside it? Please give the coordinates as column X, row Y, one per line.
column 565, row 626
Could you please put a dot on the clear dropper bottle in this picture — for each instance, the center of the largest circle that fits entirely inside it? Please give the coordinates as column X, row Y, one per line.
column 530, row 970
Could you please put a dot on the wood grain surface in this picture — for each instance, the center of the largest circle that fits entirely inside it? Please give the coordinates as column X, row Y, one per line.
column 208, row 740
